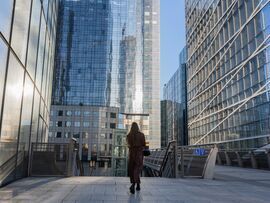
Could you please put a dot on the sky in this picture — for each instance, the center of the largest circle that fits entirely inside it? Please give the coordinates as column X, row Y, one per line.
column 172, row 37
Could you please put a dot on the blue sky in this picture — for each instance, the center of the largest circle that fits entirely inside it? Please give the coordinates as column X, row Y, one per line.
column 172, row 37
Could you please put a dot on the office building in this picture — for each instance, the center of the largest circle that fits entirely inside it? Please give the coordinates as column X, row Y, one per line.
column 174, row 105
column 228, row 72
column 165, row 126
column 107, row 60
column 27, row 42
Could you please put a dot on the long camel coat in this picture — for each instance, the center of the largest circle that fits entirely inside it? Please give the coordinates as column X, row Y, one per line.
column 136, row 145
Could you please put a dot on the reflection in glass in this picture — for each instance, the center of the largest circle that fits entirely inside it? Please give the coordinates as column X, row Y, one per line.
column 12, row 103
column 20, row 28
column 33, row 38
column 3, row 54
column 17, row 102
column 26, row 112
column 34, row 130
column 40, row 53
column 5, row 17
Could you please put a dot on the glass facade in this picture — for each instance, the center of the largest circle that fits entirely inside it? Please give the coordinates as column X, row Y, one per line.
column 174, row 105
column 107, row 54
column 95, row 129
column 92, row 126
column 165, row 126
column 228, row 72
column 27, row 41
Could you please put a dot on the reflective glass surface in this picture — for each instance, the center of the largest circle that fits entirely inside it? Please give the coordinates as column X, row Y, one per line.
column 33, row 38
column 35, row 117
column 5, row 17
column 20, row 28
column 12, row 101
column 228, row 72
column 107, row 54
column 20, row 56
column 3, row 55
column 173, row 108
column 26, row 112
column 41, row 47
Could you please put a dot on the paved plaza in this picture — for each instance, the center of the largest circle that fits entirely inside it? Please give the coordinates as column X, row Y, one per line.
column 230, row 185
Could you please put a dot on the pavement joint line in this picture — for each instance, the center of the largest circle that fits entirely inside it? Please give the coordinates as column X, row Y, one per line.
column 69, row 193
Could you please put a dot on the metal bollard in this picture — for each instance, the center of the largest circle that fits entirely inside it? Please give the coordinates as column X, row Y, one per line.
column 228, row 160
column 268, row 158
column 182, row 163
column 239, row 160
column 253, row 160
column 175, row 161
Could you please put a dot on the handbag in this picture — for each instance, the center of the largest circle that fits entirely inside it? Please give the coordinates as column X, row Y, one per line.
column 146, row 152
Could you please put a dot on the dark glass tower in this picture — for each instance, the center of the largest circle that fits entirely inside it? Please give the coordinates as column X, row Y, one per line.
column 83, row 54
column 108, row 55
column 174, row 105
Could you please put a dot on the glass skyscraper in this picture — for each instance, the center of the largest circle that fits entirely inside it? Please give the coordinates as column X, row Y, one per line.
column 173, row 107
column 27, row 44
column 228, row 72
column 107, row 55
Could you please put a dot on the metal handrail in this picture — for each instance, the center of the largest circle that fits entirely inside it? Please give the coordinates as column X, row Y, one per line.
column 166, row 156
column 7, row 162
column 8, row 166
column 166, row 163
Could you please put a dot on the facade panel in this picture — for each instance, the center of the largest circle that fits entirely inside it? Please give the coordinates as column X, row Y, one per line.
column 228, row 72
column 20, row 42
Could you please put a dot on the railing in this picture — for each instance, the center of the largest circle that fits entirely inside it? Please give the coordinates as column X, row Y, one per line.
column 7, row 150
column 55, row 159
column 184, row 161
column 249, row 158
column 9, row 160
column 169, row 163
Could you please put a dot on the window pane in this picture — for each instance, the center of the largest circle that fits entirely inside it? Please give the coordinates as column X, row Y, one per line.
column 35, row 117
column 40, row 53
column 12, row 104
column 33, row 39
column 45, row 7
column 26, row 112
column 45, row 69
column 25, row 125
column 5, row 17
column 40, row 129
column 20, row 28
column 3, row 55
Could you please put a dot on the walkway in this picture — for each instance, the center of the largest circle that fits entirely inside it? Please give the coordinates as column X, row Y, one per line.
column 231, row 185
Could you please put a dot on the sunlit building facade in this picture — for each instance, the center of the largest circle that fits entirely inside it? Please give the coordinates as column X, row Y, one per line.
column 27, row 44
column 107, row 57
column 228, row 72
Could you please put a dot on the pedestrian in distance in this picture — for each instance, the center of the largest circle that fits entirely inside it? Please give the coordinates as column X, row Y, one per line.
column 136, row 145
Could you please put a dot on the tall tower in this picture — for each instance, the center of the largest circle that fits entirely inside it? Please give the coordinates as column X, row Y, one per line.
column 228, row 72
column 107, row 60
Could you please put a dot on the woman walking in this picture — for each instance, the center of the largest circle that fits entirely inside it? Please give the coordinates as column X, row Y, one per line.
column 136, row 145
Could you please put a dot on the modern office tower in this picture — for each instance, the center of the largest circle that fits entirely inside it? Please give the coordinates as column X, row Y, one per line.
column 165, row 126
column 228, row 72
column 27, row 44
column 173, row 107
column 107, row 59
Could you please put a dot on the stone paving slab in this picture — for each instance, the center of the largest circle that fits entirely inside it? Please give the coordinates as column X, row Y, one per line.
column 230, row 185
